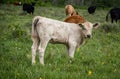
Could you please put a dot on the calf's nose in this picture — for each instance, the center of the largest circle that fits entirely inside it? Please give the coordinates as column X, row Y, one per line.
column 88, row 36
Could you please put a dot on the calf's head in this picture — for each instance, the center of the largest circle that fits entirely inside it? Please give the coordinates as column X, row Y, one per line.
column 87, row 28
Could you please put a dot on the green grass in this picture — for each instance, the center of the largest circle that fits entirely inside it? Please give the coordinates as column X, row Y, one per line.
column 98, row 58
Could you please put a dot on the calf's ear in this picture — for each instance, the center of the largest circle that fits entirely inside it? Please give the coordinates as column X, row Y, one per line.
column 82, row 26
column 77, row 13
column 96, row 25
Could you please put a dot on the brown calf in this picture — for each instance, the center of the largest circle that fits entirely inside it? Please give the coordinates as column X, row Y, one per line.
column 70, row 10
column 75, row 19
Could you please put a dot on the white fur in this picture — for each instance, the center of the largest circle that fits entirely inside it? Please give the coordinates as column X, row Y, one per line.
column 54, row 31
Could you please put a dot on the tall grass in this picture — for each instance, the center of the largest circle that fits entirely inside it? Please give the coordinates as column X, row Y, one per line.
column 98, row 58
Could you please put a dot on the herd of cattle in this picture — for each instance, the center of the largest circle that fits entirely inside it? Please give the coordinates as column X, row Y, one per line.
column 72, row 32
column 114, row 12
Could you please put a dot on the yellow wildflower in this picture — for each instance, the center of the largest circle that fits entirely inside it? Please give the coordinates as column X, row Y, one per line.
column 89, row 72
column 102, row 63
column 40, row 78
column 34, row 62
column 78, row 49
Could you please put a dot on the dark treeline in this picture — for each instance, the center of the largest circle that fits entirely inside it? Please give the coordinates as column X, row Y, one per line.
column 102, row 3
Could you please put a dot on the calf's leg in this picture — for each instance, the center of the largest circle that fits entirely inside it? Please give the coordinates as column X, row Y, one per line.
column 34, row 48
column 71, row 49
column 41, row 48
column 116, row 20
column 112, row 20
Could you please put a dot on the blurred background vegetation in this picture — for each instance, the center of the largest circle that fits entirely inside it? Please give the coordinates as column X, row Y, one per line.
column 101, row 3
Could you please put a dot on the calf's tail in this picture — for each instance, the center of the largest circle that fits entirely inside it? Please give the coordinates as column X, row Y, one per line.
column 34, row 25
column 35, row 22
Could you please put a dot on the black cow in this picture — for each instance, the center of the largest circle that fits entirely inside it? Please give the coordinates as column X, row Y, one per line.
column 114, row 13
column 29, row 8
column 91, row 9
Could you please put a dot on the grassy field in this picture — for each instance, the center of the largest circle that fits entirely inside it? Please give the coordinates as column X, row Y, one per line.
column 98, row 58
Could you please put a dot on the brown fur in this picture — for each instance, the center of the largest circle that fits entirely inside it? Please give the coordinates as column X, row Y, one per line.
column 17, row 3
column 70, row 10
column 75, row 19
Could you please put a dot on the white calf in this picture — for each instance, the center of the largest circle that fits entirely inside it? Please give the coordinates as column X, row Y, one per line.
column 45, row 30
